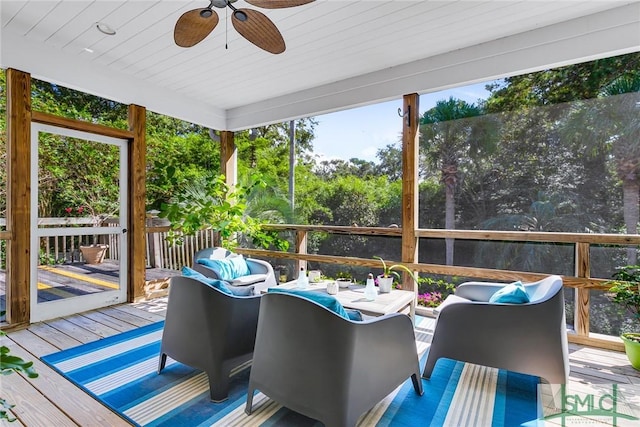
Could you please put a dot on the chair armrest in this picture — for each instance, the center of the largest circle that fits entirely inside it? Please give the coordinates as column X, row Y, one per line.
column 257, row 266
column 203, row 269
column 395, row 331
column 478, row 291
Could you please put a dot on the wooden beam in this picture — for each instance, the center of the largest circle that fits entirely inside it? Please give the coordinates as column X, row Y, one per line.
column 491, row 235
column 301, row 248
column 597, row 341
column 228, row 158
column 137, row 201
column 63, row 122
column 530, row 236
column 410, row 139
column 582, row 295
column 18, row 196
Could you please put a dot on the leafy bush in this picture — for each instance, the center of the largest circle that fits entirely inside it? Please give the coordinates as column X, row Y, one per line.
column 212, row 204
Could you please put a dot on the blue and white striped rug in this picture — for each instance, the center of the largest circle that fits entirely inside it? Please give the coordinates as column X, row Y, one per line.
column 120, row 372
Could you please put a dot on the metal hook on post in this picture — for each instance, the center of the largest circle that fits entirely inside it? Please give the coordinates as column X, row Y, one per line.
column 406, row 115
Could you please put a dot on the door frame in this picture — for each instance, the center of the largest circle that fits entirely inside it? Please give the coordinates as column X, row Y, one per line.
column 67, row 306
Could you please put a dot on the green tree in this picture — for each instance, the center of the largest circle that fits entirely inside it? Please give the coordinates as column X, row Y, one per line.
column 390, row 158
column 547, row 213
column 448, row 136
column 620, row 118
column 609, row 127
column 209, row 203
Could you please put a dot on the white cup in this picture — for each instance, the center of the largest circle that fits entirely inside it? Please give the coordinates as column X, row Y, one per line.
column 314, row 276
column 332, row 288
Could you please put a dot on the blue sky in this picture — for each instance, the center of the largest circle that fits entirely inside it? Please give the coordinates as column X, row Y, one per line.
column 360, row 132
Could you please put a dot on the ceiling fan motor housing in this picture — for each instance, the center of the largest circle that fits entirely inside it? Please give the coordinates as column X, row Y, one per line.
column 222, row 3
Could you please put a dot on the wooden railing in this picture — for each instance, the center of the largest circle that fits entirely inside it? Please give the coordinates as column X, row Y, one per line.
column 161, row 254
column 580, row 281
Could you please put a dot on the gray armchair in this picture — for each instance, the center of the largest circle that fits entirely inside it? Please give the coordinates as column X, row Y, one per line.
column 208, row 330
column 321, row 365
column 261, row 272
column 530, row 338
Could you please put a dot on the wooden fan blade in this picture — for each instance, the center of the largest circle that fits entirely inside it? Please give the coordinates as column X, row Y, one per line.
column 278, row 4
column 259, row 30
column 192, row 28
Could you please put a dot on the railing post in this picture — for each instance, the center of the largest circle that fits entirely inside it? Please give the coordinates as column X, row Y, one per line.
column 410, row 140
column 137, row 212
column 582, row 295
column 301, row 248
column 18, row 196
column 228, row 158
column 155, row 256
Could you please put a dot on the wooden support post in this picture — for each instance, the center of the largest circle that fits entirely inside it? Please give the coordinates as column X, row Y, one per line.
column 301, row 248
column 18, row 196
column 582, row 295
column 136, row 233
column 410, row 139
column 228, row 158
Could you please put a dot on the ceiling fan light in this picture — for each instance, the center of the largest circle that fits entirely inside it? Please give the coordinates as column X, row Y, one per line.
column 206, row 13
column 240, row 15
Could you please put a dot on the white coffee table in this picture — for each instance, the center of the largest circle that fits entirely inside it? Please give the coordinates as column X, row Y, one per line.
column 396, row 301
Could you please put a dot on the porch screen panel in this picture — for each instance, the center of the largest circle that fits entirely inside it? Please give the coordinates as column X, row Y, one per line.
column 78, row 205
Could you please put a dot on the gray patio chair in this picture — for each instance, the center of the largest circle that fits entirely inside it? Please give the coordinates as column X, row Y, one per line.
column 321, row 365
column 260, row 275
column 530, row 338
column 208, row 330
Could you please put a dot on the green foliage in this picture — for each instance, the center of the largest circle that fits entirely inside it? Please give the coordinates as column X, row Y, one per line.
column 8, row 365
column 432, row 291
column 211, row 204
column 45, row 258
column 625, row 290
column 344, row 275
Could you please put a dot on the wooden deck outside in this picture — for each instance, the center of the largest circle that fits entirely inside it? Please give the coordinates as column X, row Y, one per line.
column 74, row 279
column 50, row 400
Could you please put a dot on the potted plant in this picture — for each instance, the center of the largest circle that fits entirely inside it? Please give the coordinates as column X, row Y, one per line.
column 385, row 280
column 95, row 252
column 344, row 279
column 625, row 290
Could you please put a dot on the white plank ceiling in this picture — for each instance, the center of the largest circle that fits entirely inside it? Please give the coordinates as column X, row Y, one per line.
column 339, row 54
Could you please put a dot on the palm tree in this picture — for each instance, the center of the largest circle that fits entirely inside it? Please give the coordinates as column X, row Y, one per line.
column 611, row 125
column 451, row 133
column 549, row 212
column 622, row 118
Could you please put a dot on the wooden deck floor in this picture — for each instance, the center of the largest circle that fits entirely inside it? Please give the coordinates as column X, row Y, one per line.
column 50, row 400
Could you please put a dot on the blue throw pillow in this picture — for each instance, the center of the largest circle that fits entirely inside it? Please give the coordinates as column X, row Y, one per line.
column 354, row 314
column 214, row 283
column 323, row 299
column 227, row 268
column 513, row 293
column 239, row 266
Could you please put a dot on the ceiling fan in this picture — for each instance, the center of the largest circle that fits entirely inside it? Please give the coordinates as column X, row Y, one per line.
column 195, row 25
